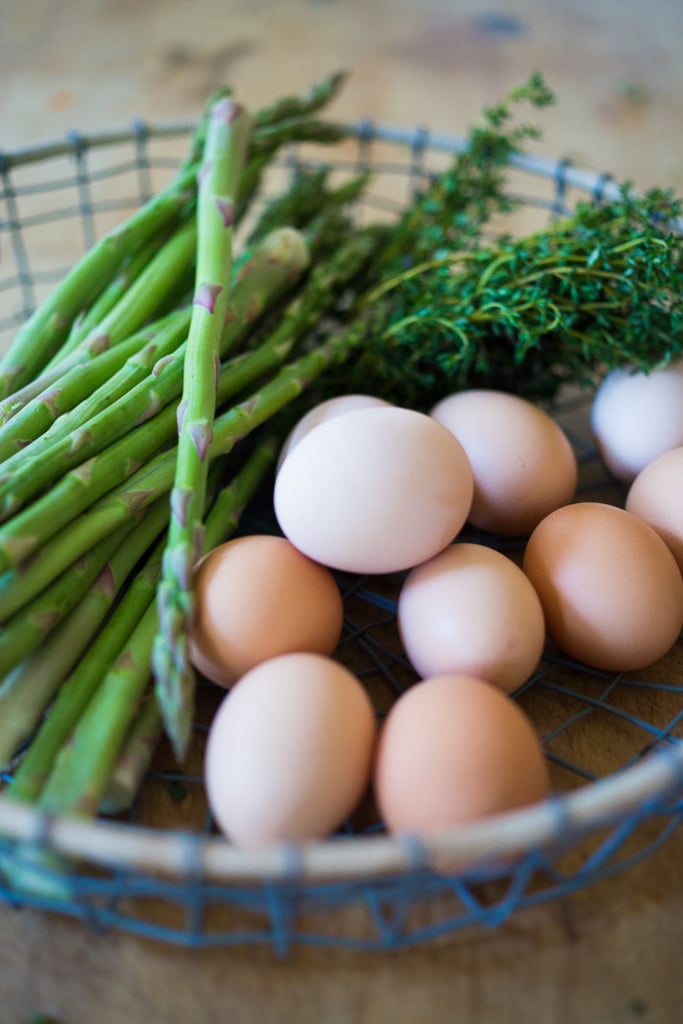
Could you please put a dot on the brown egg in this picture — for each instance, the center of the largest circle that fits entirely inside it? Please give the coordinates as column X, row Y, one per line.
column 289, row 751
column 522, row 461
column 610, row 588
column 258, row 597
column 471, row 610
column 455, row 749
column 656, row 497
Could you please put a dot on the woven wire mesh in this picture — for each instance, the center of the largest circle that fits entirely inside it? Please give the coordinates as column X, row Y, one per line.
column 54, row 202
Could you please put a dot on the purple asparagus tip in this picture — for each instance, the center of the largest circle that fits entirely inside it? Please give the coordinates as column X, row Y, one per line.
column 206, row 296
column 226, row 110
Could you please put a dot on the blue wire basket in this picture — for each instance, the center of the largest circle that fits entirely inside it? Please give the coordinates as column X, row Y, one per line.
column 613, row 741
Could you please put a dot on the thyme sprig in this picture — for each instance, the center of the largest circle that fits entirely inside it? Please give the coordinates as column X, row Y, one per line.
column 460, row 202
column 600, row 289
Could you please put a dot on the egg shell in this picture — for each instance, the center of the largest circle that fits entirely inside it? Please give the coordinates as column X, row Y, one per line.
column 289, row 751
column 522, row 461
column 611, row 591
column 258, row 596
column 637, row 416
column 374, row 491
column 455, row 749
column 337, row 406
column 471, row 610
column 656, row 497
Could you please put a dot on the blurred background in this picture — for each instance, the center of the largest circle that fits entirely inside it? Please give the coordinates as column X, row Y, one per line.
column 615, row 66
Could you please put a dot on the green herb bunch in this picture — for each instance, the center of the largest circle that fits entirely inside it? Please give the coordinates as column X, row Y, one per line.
column 600, row 289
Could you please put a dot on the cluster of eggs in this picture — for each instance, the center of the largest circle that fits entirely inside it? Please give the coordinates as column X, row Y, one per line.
column 363, row 486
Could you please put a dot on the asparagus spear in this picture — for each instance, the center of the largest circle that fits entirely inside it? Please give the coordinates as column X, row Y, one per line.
column 108, row 374
column 287, row 107
column 148, row 382
column 226, row 139
column 140, row 302
column 136, row 754
column 23, row 633
column 31, row 528
column 107, row 299
column 27, row 690
column 76, row 691
column 134, row 758
column 39, row 338
column 84, row 766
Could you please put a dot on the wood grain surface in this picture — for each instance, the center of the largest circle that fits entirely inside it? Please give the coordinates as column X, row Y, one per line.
column 609, row 954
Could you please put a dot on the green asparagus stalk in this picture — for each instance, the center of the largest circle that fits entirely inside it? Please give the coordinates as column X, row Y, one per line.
column 226, row 141
column 296, row 129
column 107, row 299
column 63, row 407
column 136, row 754
column 77, row 690
column 23, row 633
column 84, row 766
column 73, row 366
column 134, row 759
column 137, row 306
column 307, row 201
column 27, row 690
column 304, row 198
column 128, row 315
column 30, row 529
column 42, row 334
column 148, row 383
column 142, row 300
column 288, row 107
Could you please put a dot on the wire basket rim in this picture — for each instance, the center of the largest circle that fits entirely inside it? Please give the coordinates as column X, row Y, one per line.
column 177, row 853
column 364, row 129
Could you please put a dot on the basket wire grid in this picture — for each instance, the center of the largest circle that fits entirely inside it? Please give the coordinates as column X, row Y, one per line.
column 613, row 741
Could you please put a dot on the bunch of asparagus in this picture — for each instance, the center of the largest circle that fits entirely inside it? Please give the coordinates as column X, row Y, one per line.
column 136, row 423
column 120, row 413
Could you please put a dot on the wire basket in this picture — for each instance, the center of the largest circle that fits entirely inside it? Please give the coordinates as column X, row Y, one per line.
column 613, row 741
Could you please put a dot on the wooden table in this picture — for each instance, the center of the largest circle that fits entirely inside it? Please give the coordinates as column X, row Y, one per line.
column 610, row 953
